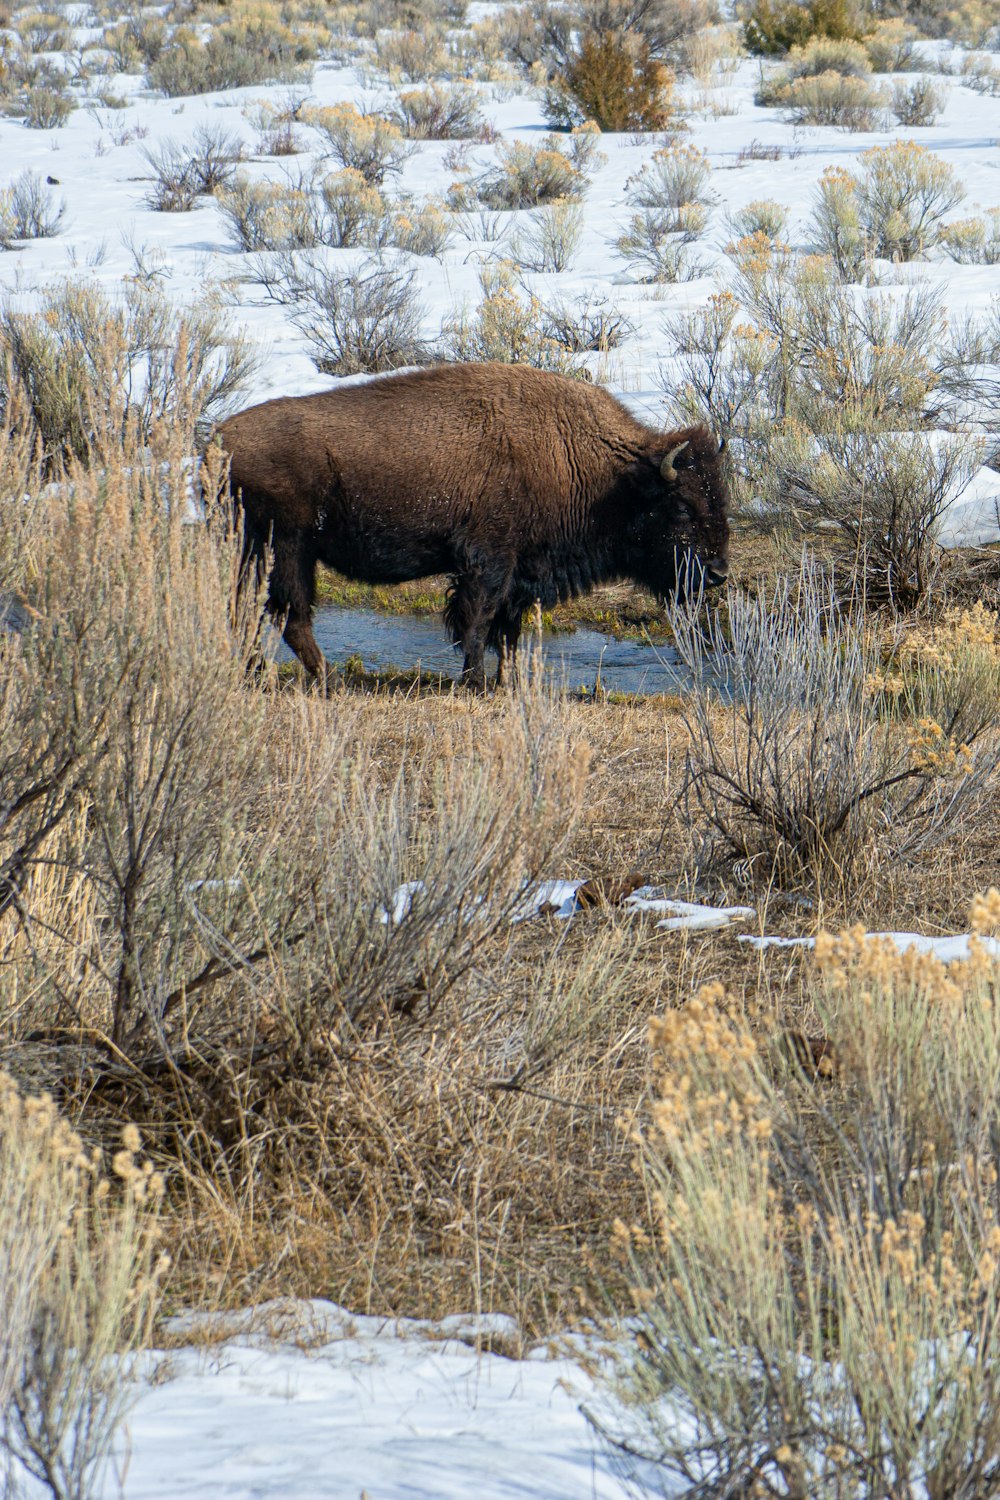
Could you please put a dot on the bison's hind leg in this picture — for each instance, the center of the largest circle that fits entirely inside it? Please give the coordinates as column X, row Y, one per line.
column 292, row 593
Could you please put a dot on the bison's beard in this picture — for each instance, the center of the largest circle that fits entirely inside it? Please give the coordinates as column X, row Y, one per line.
column 689, row 578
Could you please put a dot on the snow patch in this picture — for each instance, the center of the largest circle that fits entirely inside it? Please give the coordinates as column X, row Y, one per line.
column 973, row 517
column 307, row 1400
column 688, row 915
column 558, row 898
column 949, row 950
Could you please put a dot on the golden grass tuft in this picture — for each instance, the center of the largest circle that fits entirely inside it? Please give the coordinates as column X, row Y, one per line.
column 818, row 1278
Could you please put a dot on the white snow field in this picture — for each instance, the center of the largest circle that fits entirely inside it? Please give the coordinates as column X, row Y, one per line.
column 109, row 233
column 303, row 1401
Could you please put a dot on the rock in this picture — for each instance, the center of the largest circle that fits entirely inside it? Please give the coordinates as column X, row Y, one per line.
column 608, row 890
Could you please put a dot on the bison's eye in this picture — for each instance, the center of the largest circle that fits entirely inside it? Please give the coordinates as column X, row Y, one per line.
column 690, row 506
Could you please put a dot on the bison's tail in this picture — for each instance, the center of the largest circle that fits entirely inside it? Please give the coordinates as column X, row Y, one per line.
column 210, row 472
column 257, row 542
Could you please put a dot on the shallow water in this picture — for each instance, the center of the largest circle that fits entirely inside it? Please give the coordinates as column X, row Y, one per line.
column 409, row 641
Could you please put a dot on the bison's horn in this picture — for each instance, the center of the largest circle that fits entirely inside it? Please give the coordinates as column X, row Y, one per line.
column 667, row 467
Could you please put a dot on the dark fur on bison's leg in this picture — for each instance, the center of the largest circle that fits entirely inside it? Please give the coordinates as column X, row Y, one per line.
column 473, row 670
column 467, row 614
column 505, row 632
column 291, row 592
column 299, row 636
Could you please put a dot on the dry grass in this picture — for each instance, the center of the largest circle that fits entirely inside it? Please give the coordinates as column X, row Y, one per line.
column 463, row 1152
column 419, row 1117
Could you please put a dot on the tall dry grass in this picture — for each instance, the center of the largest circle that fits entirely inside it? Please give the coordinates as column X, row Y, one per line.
column 817, row 1283
column 80, row 1271
column 224, row 904
column 819, row 751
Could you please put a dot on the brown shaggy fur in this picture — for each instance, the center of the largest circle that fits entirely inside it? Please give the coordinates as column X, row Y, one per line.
column 522, row 485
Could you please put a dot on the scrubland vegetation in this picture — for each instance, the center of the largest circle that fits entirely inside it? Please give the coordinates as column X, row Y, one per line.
column 269, row 999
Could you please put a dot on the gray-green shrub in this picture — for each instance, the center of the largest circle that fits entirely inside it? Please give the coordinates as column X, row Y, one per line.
column 819, row 56
column 811, row 778
column 412, row 55
column 526, row 175
column 271, row 215
column 28, row 210
column 366, row 321
column 894, row 207
column 975, row 241
column 551, row 239
column 440, row 112
column 181, row 174
column 365, row 143
column 761, row 216
column 918, row 103
column 510, row 328
column 232, row 57
column 47, row 106
column 844, row 101
column 891, row 47
column 92, row 369
column 671, row 200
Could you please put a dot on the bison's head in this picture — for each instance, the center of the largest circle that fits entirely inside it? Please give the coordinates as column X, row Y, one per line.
column 680, row 538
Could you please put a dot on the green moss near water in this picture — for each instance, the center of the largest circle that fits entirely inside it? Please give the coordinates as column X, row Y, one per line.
column 618, row 610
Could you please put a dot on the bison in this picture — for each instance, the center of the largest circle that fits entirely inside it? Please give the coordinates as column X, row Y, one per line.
column 520, row 484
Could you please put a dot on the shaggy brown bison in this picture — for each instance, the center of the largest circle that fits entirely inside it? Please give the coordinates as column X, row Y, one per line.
column 521, row 485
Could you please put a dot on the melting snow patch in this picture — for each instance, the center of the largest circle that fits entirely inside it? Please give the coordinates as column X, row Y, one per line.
column 554, row 898
column 777, row 942
column 689, row 915
column 558, row 898
column 331, row 1406
column 402, row 903
column 949, row 950
column 972, row 519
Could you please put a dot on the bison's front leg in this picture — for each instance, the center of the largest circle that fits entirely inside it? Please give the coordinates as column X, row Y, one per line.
column 507, row 632
column 471, row 607
column 473, row 669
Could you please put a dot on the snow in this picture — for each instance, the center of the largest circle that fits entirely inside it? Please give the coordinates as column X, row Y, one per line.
column 973, row 518
column 110, row 233
column 688, row 915
column 557, row 898
column 554, row 897
column 949, row 950
column 306, row 1402
column 402, row 903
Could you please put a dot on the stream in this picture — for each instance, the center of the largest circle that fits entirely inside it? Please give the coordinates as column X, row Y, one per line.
column 574, row 658
column 406, row 642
